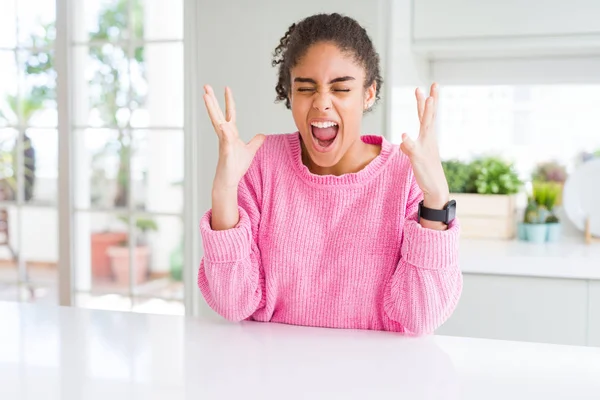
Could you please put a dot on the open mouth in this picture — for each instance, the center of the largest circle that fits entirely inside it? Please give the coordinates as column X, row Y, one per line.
column 324, row 134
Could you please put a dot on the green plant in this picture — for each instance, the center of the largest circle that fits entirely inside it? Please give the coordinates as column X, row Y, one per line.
column 492, row 175
column 540, row 207
column 176, row 262
column 143, row 225
column 115, row 90
column 532, row 217
column 549, row 172
column 457, row 174
column 532, row 212
column 546, row 194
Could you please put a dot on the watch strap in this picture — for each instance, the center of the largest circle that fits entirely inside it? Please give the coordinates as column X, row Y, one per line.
column 433, row 215
column 445, row 215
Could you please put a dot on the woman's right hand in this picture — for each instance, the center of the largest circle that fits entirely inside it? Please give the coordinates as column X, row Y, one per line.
column 235, row 156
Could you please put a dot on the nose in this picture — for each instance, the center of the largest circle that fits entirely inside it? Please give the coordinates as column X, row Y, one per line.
column 322, row 102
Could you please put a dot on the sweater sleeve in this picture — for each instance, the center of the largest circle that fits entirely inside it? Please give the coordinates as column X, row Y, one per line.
column 230, row 276
column 427, row 283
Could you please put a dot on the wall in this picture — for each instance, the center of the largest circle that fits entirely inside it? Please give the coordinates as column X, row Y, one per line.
column 531, row 309
column 235, row 43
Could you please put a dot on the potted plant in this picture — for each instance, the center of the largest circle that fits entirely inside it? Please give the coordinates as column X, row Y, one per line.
column 119, row 255
column 535, row 229
column 540, row 223
column 485, row 189
column 547, row 195
column 551, row 172
column 458, row 174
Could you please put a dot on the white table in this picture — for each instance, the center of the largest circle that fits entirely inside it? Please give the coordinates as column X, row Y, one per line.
column 76, row 354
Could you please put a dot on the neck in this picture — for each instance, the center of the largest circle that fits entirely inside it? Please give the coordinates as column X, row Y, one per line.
column 358, row 156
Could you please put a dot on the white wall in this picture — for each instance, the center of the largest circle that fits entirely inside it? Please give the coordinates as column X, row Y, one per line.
column 406, row 72
column 443, row 19
column 235, row 42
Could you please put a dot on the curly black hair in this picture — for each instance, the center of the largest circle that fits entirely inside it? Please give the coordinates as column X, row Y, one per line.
column 341, row 30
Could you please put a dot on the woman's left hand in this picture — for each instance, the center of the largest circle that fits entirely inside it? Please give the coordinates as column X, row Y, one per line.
column 424, row 154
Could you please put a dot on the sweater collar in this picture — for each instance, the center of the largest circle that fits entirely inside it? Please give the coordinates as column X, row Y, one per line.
column 355, row 178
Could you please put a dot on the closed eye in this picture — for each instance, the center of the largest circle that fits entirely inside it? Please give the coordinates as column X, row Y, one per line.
column 312, row 90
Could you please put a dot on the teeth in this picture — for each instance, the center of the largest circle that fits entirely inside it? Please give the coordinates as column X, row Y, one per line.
column 326, row 124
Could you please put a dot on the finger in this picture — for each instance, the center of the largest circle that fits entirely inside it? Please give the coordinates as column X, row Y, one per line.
column 215, row 104
column 427, row 116
column 210, row 106
column 255, row 143
column 435, row 93
column 229, row 105
column 408, row 145
column 212, row 114
column 432, row 89
column 420, row 102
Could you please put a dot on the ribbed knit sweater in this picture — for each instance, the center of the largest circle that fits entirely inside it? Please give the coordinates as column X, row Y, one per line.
column 331, row 251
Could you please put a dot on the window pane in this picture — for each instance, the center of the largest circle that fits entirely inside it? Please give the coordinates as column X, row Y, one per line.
column 162, row 238
column 527, row 124
column 8, row 24
column 98, row 238
column 40, row 253
column 38, row 88
column 8, row 88
column 101, row 168
column 36, row 20
column 101, row 20
column 158, row 170
column 9, row 246
column 161, row 19
column 101, row 92
column 158, row 100
column 41, row 165
column 8, row 165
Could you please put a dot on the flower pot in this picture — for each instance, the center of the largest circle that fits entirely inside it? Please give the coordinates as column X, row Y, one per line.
column 521, row 231
column 486, row 216
column 119, row 262
column 536, row 233
column 101, row 241
column 554, row 232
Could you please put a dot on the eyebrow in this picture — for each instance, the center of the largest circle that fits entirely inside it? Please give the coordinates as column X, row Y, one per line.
column 310, row 80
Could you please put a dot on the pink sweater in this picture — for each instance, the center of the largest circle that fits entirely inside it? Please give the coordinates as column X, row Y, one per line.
column 331, row 251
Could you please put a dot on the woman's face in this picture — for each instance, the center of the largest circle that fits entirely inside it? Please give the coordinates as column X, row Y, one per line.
column 328, row 99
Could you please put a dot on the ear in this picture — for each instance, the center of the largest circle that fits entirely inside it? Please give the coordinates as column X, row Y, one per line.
column 370, row 94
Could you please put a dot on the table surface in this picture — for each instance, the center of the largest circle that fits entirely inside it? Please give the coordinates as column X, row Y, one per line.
column 68, row 353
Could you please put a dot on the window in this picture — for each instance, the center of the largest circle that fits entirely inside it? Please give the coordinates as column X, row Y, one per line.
column 127, row 126
column 526, row 124
column 28, row 152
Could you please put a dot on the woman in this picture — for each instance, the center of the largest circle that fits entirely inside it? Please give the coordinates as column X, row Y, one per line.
column 327, row 227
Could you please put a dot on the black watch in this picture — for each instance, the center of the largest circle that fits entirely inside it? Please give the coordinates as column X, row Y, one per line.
column 446, row 215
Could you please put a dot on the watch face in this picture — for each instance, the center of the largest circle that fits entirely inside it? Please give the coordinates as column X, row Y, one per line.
column 451, row 210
